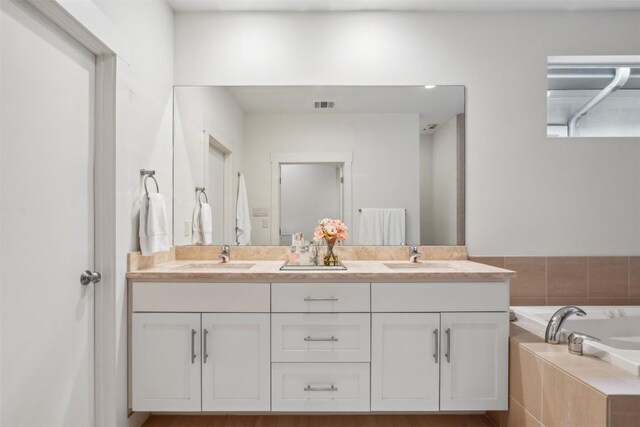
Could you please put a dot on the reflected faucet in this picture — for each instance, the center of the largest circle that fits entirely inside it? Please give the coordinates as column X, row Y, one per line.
column 552, row 334
column 414, row 254
column 225, row 255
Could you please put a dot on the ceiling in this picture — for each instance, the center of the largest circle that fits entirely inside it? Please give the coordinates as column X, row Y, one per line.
column 437, row 105
column 401, row 5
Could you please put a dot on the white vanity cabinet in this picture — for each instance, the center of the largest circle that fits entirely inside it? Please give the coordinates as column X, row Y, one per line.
column 439, row 346
column 319, row 347
column 166, row 361
column 186, row 357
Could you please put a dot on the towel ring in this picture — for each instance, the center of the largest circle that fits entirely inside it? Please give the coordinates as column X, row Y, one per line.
column 154, row 180
column 199, row 191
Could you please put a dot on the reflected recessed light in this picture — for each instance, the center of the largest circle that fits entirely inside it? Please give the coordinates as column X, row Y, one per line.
column 429, row 86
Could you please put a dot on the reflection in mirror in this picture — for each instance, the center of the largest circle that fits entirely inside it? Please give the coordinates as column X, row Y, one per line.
column 593, row 96
column 388, row 161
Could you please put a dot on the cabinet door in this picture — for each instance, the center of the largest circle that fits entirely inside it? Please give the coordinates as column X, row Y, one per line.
column 235, row 362
column 475, row 361
column 166, row 362
column 405, row 365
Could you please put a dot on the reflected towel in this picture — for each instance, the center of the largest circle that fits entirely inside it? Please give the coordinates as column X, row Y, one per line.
column 206, row 223
column 243, row 216
column 394, row 227
column 154, row 229
column 196, row 228
column 371, row 231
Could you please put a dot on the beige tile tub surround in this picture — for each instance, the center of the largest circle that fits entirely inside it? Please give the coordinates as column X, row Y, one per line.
column 548, row 387
column 624, row 411
column 572, row 280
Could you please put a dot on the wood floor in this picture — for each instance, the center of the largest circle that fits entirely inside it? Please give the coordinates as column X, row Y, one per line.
column 318, row 421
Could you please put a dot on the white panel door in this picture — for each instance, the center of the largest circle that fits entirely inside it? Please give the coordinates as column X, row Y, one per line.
column 405, row 363
column 47, row 99
column 235, row 362
column 475, row 361
column 166, row 362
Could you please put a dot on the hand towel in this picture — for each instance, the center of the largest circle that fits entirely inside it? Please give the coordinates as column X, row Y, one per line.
column 371, row 230
column 394, row 227
column 206, row 223
column 243, row 216
column 154, row 229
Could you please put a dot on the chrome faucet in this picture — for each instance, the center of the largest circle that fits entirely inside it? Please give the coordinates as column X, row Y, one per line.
column 552, row 334
column 225, row 255
column 414, row 254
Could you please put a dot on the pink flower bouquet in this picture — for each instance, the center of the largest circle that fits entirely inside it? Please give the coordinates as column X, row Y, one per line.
column 331, row 230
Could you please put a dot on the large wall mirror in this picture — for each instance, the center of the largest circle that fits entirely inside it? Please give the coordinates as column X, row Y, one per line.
column 254, row 165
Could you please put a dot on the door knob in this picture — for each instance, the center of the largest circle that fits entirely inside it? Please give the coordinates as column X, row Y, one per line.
column 88, row 276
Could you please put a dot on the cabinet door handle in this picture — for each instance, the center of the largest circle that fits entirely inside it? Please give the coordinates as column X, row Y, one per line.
column 204, row 344
column 193, row 346
column 436, row 341
column 448, row 353
column 310, row 299
column 332, row 339
column 332, row 388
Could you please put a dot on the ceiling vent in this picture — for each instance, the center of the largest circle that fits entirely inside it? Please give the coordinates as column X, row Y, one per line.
column 324, row 104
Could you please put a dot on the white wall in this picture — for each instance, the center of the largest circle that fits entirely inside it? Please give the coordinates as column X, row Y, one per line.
column 526, row 194
column 385, row 159
column 143, row 136
column 200, row 113
column 444, row 183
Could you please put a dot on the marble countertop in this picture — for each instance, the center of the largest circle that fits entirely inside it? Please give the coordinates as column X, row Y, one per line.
column 369, row 271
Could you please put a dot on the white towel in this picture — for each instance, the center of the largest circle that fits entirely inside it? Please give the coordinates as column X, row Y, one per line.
column 371, row 231
column 394, row 227
column 153, row 230
column 206, row 223
column 380, row 226
column 243, row 216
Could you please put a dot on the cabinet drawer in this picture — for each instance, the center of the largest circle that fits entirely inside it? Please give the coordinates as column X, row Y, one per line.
column 322, row 337
column 320, row 297
column 440, row 296
column 201, row 297
column 320, row 387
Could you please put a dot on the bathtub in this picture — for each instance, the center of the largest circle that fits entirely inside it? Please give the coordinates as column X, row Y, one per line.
column 617, row 326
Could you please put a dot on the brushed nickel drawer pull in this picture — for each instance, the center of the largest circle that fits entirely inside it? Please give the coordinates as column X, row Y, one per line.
column 437, row 345
column 448, row 353
column 331, row 339
column 193, row 346
column 206, row 353
column 310, row 299
column 309, row 388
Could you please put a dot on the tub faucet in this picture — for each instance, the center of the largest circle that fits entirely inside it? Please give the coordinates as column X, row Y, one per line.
column 225, row 255
column 414, row 254
column 552, row 335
